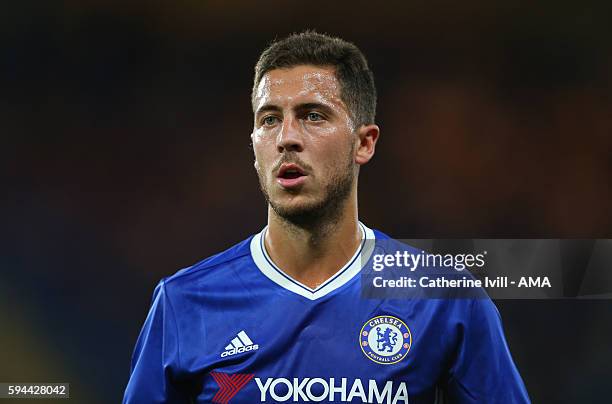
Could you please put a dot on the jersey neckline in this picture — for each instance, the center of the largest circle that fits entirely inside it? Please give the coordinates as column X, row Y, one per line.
column 347, row 272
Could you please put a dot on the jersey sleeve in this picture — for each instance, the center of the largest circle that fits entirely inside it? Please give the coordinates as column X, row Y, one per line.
column 483, row 370
column 155, row 361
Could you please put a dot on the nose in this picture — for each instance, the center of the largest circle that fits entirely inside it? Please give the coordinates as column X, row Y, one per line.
column 290, row 136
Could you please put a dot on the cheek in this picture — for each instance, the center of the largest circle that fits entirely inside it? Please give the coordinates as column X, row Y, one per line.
column 263, row 156
column 334, row 152
column 257, row 136
column 325, row 138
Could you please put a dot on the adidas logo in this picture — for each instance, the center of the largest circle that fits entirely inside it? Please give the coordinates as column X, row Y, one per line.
column 241, row 343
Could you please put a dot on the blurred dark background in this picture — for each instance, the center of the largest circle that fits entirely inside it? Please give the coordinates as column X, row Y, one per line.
column 124, row 156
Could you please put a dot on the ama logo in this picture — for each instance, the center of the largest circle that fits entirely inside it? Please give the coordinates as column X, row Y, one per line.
column 385, row 339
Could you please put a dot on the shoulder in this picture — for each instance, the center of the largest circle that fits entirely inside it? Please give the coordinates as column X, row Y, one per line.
column 388, row 244
column 209, row 269
column 379, row 235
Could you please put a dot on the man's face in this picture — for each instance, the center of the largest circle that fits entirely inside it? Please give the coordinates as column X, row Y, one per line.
column 303, row 142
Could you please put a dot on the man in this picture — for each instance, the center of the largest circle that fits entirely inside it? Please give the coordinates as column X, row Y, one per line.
column 279, row 317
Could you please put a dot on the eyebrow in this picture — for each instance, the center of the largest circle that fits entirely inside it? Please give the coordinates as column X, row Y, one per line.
column 314, row 105
column 299, row 108
column 267, row 108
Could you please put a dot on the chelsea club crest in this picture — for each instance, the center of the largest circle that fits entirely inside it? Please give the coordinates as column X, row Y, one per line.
column 385, row 339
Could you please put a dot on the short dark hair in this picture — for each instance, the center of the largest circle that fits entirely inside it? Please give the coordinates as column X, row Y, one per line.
column 357, row 88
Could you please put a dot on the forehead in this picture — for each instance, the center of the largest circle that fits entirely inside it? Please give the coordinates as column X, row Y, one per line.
column 304, row 83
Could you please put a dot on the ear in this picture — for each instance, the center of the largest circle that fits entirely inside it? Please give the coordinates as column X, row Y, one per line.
column 367, row 136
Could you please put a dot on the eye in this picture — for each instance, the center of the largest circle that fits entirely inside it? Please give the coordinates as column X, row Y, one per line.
column 314, row 116
column 269, row 120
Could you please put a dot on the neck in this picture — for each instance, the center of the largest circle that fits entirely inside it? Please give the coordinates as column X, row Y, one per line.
column 312, row 252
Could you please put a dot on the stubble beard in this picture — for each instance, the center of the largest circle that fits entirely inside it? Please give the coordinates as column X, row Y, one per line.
column 323, row 212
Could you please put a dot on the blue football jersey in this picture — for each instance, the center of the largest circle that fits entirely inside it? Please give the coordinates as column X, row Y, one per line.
column 235, row 328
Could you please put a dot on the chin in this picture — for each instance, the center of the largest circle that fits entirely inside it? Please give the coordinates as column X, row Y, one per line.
column 297, row 211
column 294, row 208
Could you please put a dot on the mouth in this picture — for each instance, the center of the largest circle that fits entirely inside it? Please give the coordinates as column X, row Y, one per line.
column 291, row 176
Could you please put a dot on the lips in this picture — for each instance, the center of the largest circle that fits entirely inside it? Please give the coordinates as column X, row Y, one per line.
column 290, row 170
column 291, row 175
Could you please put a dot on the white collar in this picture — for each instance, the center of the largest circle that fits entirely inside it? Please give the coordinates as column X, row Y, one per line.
column 344, row 274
